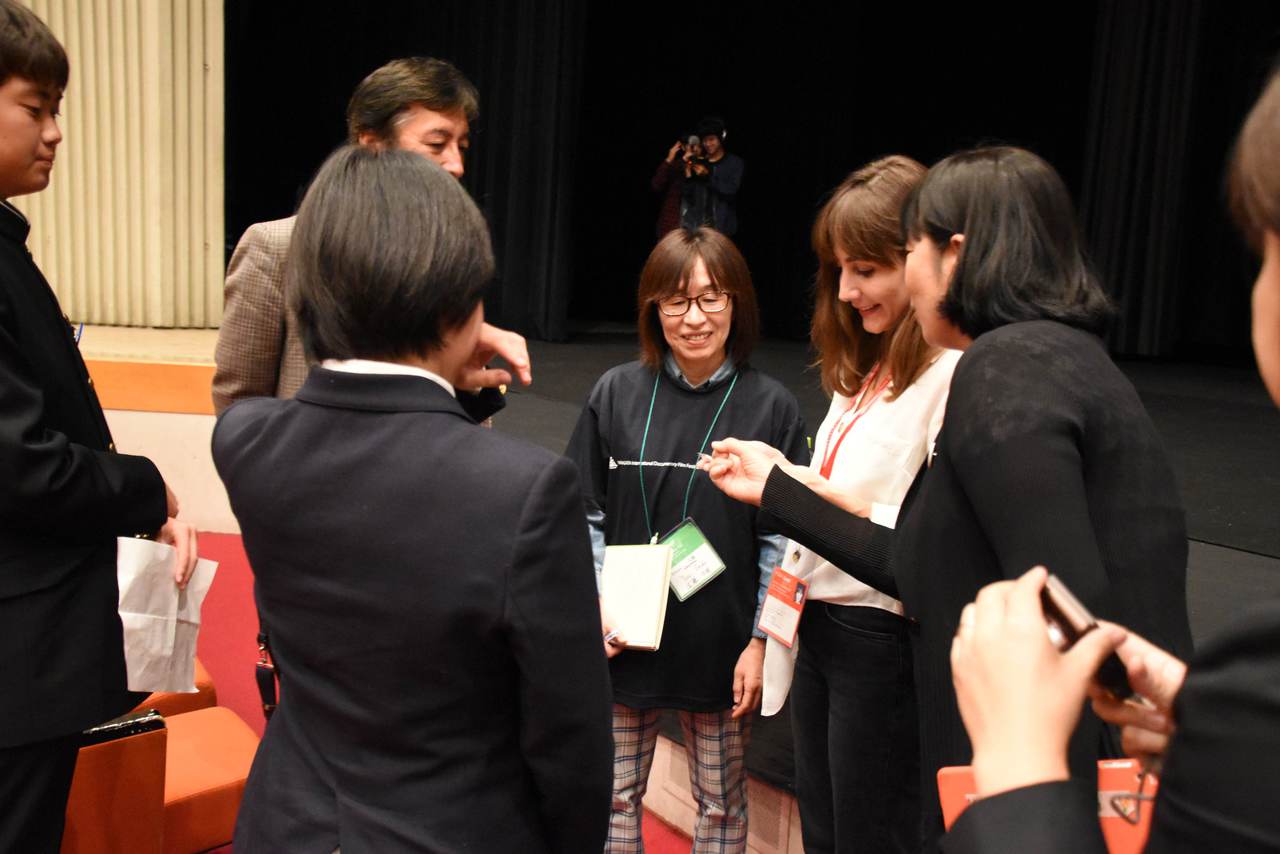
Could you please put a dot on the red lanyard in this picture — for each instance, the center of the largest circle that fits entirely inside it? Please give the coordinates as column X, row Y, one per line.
column 829, row 460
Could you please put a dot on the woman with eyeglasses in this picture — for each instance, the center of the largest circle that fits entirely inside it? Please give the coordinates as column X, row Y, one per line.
column 637, row 444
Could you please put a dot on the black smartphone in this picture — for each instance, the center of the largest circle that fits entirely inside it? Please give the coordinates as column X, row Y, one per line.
column 1069, row 620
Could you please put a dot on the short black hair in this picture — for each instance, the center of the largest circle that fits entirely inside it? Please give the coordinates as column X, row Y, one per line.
column 388, row 254
column 28, row 49
column 1022, row 257
column 391, row 89
column 711, row 126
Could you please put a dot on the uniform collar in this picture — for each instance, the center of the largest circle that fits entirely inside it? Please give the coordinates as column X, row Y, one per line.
column 12, row 223
column 377, row 392
column 374, row 366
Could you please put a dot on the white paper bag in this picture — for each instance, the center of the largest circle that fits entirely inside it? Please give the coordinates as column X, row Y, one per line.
column 161, row 622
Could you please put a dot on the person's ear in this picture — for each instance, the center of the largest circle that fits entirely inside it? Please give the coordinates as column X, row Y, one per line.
column 369, row 139
column 950, row 255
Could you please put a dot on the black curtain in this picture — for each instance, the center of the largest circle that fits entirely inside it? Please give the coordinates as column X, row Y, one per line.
column 292, row 66
column 808, row 96
column 525, row 57
column 1135, row 189
column 1136, row 103
column 1171, row 82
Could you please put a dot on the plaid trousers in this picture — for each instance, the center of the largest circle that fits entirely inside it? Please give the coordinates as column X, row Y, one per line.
column 715, row 744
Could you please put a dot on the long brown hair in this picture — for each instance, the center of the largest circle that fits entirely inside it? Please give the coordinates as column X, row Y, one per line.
column 862, row 219
column 667, row 271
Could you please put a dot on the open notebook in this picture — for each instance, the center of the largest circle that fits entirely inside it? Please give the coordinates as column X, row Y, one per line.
column 634, row 588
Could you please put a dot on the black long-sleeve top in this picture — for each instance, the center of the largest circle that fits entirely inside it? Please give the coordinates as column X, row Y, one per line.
column 1046, row 456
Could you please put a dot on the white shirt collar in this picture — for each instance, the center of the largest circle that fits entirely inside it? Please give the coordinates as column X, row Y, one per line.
column 372, row 366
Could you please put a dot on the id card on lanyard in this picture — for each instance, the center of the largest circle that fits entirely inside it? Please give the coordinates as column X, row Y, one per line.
column 783, row 605
column 694, row 560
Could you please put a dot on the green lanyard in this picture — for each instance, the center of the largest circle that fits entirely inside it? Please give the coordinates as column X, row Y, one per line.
column 644, row 500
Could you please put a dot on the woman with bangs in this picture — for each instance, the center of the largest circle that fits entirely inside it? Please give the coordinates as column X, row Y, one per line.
column 1211, row 722
column 1046, row 455
column 636, row 444
column 849, row 671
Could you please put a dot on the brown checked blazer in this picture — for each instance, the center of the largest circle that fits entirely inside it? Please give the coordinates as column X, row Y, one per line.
column 259, row 353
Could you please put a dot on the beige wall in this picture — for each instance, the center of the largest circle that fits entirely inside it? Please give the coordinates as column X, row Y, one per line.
column 130, row 231
column 179, row 446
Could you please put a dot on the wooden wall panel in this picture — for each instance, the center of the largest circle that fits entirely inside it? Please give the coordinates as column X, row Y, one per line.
column 130, row 231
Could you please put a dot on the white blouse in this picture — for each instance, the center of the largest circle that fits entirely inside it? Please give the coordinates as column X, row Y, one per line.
column 876, row 462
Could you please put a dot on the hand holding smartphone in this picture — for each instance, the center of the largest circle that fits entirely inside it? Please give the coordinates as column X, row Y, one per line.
column 1069, row 620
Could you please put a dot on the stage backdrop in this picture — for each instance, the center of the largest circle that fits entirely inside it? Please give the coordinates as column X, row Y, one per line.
column 1136, row 103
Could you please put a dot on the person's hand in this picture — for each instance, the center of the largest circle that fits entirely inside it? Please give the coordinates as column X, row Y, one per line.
column 675, row 149
column 748, row 679
column 170, row 502
column 739, row 469
column 496, row 342
column 614, row 642
column 182, row 536
column 1019, row 697
column 1146, row 720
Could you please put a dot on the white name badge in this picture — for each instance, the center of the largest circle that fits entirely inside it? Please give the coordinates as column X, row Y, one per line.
column 694, row 561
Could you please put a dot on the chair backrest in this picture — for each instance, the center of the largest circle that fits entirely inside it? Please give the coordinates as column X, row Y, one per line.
column 1124, row 801
column 116, row 804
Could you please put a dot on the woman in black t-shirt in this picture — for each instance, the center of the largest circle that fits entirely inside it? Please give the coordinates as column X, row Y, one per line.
column 637, row 444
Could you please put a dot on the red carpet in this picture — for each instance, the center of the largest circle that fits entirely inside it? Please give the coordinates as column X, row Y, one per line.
column 228, row 647
column 228, row 643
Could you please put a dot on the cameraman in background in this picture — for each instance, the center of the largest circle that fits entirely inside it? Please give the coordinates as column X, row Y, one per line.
column 695, row 202
column 725, row 178
column 669, row 181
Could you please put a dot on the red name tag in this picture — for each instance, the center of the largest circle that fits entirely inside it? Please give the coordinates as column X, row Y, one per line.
column 783, row 604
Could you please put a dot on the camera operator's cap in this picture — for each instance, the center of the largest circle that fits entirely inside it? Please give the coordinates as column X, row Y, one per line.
column 711, row 126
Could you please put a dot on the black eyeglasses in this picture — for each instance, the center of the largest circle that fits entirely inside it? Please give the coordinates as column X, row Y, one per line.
column 709, row 303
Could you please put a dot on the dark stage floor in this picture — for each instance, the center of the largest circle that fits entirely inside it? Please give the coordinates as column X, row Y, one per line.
column 1222, row 431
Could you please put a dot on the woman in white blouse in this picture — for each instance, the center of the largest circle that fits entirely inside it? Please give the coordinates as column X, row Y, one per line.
column 848, row 671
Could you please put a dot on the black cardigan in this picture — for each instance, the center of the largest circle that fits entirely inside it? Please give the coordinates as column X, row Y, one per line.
column 1046, row 456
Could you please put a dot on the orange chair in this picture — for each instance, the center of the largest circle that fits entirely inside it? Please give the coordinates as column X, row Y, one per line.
column 210, row 751
column 116, row 804
column 145, row 785
column 1124, row 801
column 172, row 703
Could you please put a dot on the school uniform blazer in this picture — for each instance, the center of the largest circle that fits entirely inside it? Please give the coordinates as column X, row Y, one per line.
column 428, row 588
column 65, row 495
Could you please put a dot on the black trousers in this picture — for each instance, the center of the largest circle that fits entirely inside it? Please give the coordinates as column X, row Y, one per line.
column 35, row 780
column 854, row 722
